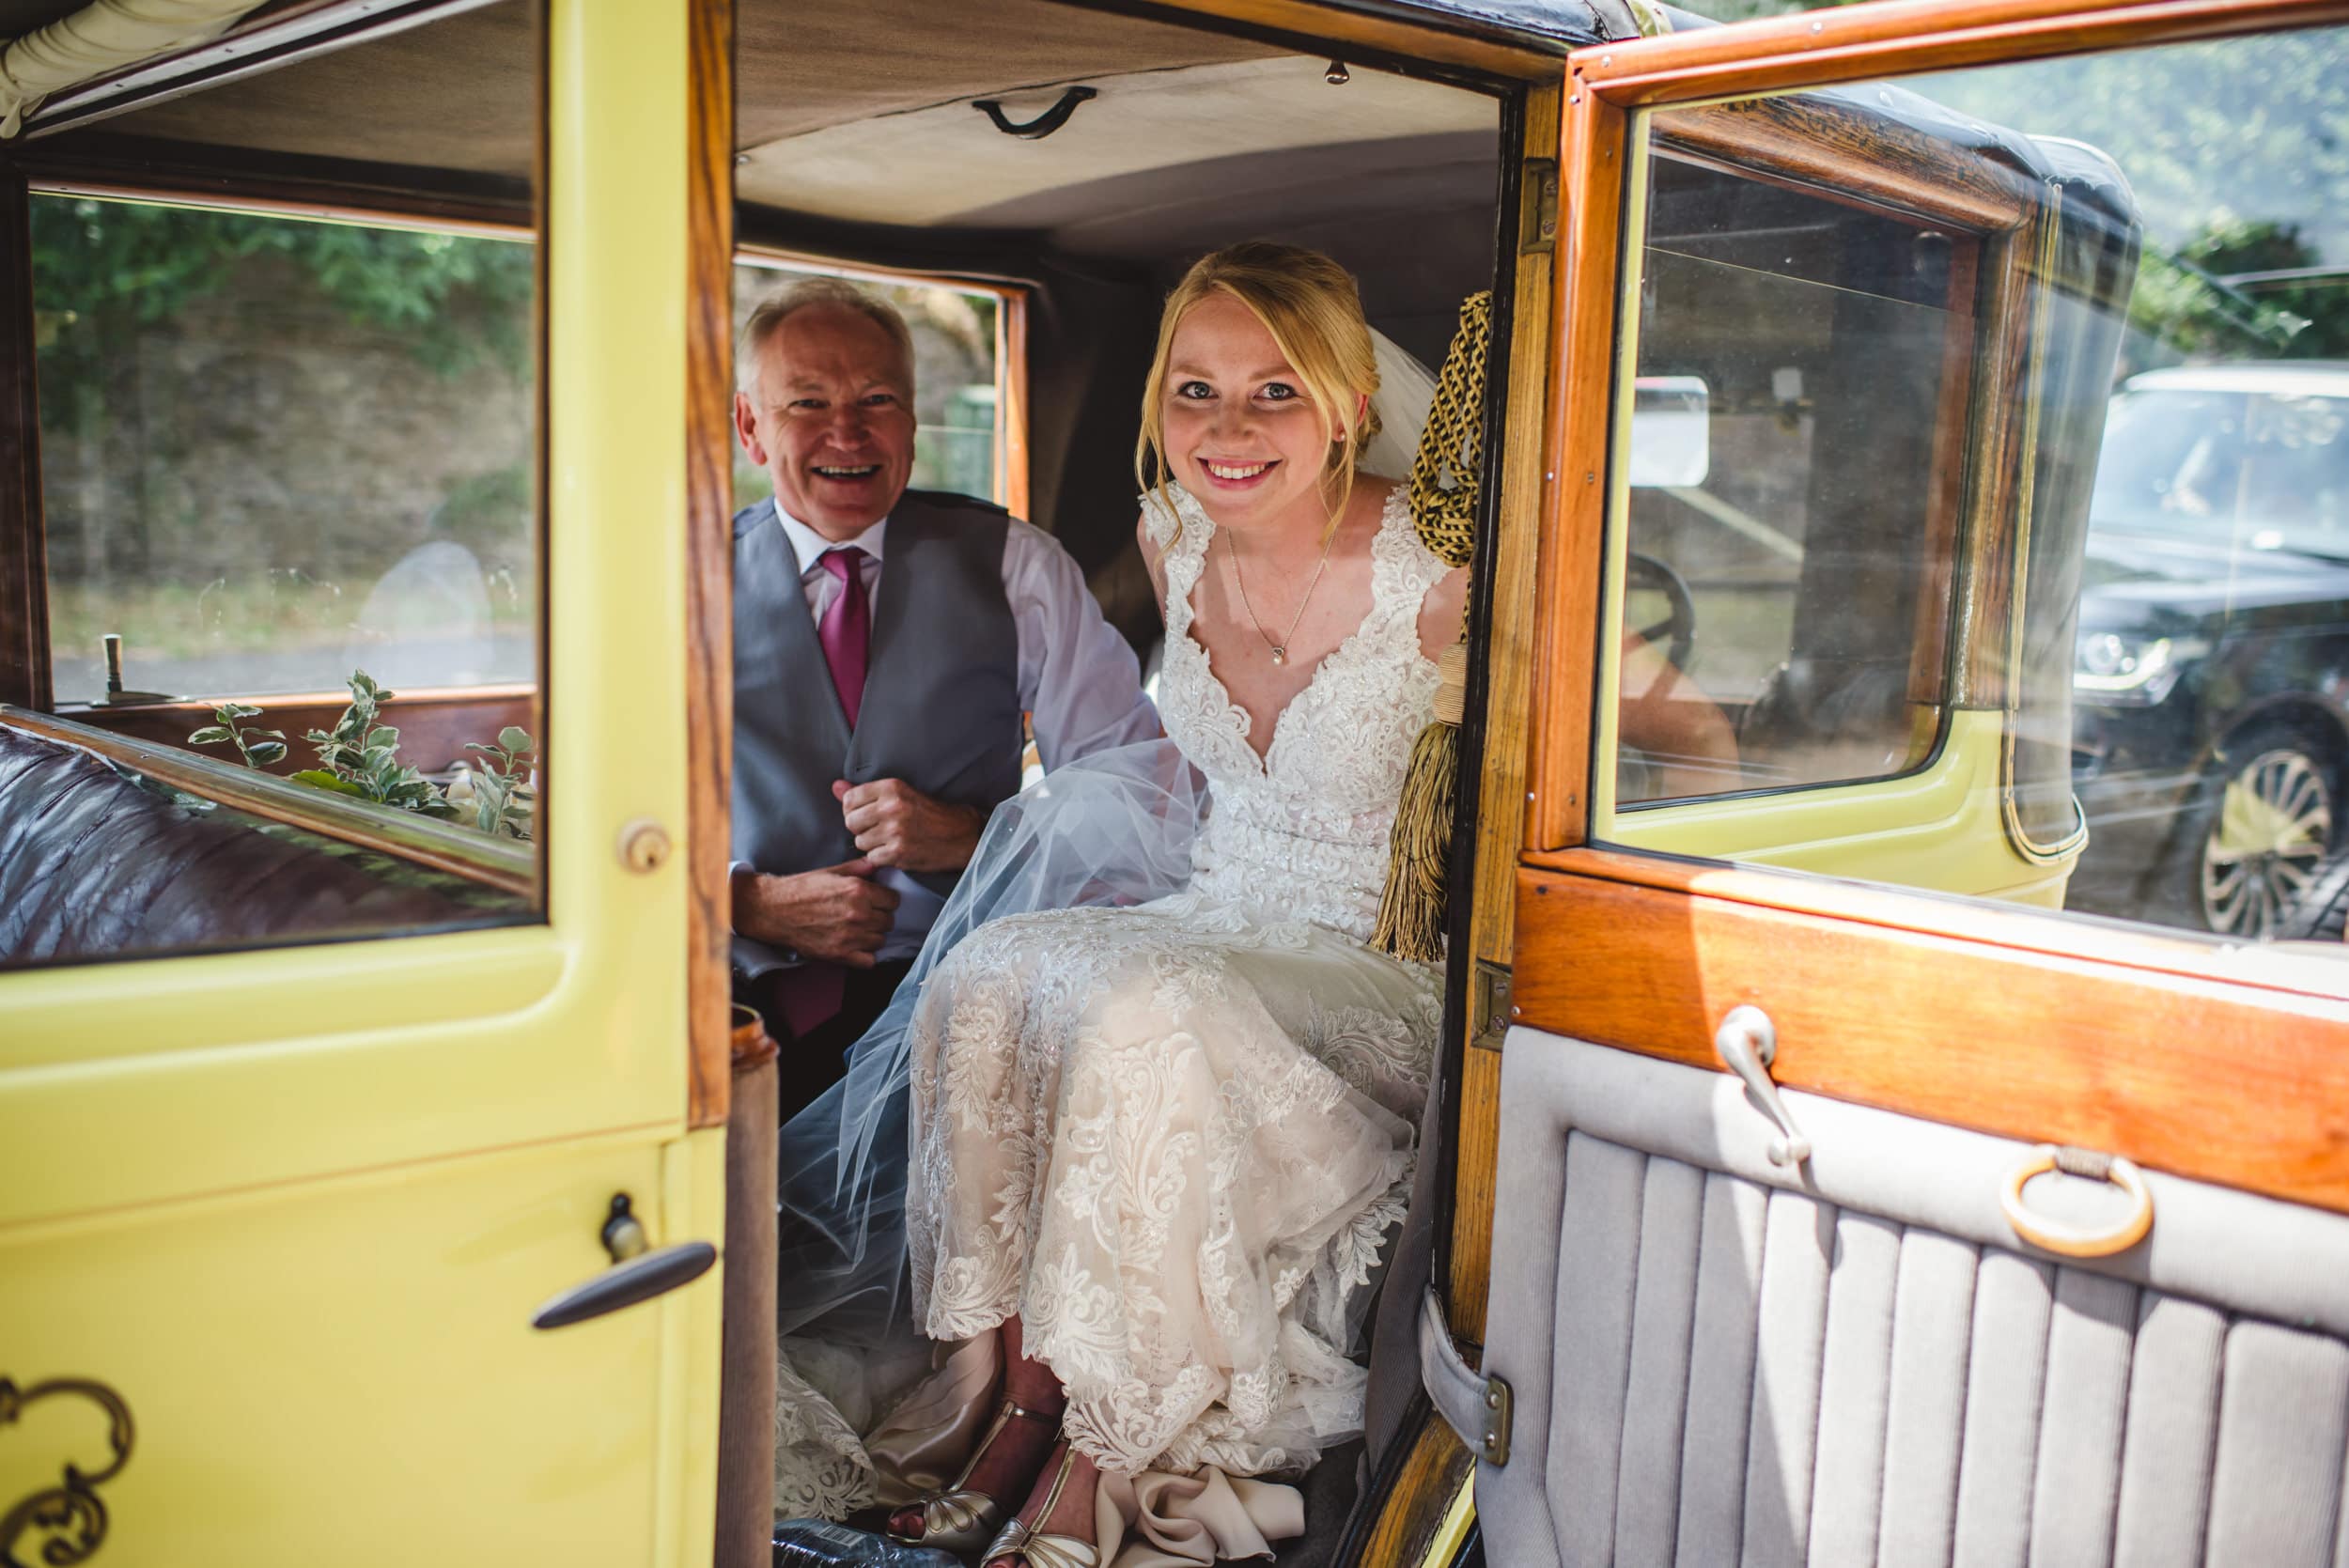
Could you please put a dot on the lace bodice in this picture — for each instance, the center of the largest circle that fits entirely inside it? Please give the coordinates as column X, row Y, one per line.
column 1306, row 826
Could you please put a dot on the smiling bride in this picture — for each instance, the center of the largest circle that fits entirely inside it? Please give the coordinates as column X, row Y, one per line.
column 1155, row 1150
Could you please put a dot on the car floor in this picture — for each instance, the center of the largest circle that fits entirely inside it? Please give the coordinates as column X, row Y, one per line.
column 1329, row 1490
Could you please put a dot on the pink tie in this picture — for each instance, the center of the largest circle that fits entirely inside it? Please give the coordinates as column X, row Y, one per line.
column 846, row 631
column 812, row 993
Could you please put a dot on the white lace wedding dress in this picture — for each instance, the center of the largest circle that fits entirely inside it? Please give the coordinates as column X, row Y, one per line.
column 1174, row 1136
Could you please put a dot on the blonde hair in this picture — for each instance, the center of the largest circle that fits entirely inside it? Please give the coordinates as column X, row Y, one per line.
column 1314, row 310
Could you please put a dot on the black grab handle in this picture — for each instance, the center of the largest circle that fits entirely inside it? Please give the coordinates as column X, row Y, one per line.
column 1044, row 124
column 639, row 1278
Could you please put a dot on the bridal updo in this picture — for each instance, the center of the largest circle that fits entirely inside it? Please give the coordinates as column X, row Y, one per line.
column 1314, row 310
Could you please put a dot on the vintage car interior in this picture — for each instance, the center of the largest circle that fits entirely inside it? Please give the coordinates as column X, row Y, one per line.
column 880, row 162
column 1796, row 374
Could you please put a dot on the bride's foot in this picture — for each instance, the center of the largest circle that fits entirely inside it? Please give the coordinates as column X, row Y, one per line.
column 1055, row 1528
column 968, row 1514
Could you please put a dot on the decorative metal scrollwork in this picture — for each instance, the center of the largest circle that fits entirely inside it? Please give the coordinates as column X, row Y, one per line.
column 70, row 1518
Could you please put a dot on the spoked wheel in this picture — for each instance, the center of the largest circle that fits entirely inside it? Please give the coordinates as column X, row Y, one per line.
column 2260, row 855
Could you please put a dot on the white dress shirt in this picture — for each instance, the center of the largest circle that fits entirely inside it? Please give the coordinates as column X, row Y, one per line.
column 1079, row 682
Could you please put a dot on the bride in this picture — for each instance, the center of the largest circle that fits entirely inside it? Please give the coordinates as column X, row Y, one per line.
column 1152, row 1151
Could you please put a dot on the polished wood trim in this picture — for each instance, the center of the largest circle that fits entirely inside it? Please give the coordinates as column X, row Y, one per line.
column 1573, row 549
column 24, row 670
column 1412, row 1514
column 2000, row 435
column 1896, row 37
column 1509, row 655
column 499, row 863
column 242, row 179
column 434, row 725
column 806, row 260
column 2218, row 1082
column 274, row 198
column 710, row 550
column 1011, row 403
column 542, row 398
column 2288, row 970
column 1462, row 41
column 1846, row 153
column 1945, row 488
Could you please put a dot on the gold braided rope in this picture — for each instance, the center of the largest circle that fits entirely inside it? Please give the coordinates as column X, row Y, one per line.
column 1446, row 476
column 1446, row 473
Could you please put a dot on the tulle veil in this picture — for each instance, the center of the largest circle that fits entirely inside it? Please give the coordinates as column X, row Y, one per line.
column 1114, row 828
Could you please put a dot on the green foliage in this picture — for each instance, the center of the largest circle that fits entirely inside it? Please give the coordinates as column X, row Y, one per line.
column 497, row 787
column 260, row 747
column 2188, row 312
column 2304, row 318
column 359, row 757
column 452, row 297
column 2237, row 154
column 364, row 757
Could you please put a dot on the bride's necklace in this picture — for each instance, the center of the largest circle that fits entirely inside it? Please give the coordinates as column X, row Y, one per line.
column 1280, row 646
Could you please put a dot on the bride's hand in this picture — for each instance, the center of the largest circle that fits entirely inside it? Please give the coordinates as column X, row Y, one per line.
column 895, row 824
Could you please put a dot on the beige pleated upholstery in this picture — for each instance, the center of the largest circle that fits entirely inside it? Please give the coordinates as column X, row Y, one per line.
column 1715, row 1365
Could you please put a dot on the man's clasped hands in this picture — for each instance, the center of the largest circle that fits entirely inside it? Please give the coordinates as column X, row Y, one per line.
column 838, row 913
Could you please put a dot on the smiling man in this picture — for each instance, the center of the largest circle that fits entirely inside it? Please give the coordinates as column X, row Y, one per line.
column 887, row 644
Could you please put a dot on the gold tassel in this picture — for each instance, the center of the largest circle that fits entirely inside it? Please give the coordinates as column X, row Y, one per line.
column 1443, row 491
column 1411, row 907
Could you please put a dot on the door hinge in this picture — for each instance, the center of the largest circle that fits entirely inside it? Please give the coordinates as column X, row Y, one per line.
column 1492, row 1440
column 1537, row 223
column 1488, row 996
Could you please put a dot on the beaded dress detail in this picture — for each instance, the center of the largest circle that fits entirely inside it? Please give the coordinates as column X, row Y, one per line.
column 1172, row 1136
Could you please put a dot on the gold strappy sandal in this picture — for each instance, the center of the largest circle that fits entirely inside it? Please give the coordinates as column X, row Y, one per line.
column 960, row 1517
column 1023, row 1540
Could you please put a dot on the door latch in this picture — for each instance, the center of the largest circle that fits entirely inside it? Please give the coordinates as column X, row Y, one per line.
column 1537, row 222
column 1490, row 1005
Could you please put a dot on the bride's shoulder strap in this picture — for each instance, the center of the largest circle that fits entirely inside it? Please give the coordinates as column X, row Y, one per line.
column 1173, row 520
column 1402, row 569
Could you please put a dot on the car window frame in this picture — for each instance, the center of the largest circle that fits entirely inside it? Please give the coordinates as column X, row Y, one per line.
column 1977, row 526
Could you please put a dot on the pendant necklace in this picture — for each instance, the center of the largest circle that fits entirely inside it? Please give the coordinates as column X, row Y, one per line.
column 1281, row 648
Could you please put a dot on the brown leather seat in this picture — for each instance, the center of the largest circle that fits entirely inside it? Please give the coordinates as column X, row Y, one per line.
column 96, row 863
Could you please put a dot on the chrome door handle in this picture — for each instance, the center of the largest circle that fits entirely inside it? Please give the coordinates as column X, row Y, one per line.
column 636, row 1274
column 1748, row 1044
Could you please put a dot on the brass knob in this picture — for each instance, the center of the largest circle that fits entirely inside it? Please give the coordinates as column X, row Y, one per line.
column 643, row 845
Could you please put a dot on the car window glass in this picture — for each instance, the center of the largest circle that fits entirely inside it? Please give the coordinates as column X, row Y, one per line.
column 279, row 449
column 1815, row 330
column 289, row 465
column 2019, row 564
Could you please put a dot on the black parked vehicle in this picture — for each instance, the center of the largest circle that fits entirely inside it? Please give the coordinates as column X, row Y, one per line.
column 2211, row 690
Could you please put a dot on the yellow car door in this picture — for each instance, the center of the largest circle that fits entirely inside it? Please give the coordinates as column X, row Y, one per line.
column 282, row 1219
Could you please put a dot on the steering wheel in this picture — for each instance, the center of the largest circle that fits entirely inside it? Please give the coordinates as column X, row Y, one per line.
column 1677, row 630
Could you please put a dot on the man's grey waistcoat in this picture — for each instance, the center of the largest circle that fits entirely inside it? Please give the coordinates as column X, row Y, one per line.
column 940, row 708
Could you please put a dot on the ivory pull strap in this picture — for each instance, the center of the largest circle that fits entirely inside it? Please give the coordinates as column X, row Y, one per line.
column 1451, row 689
